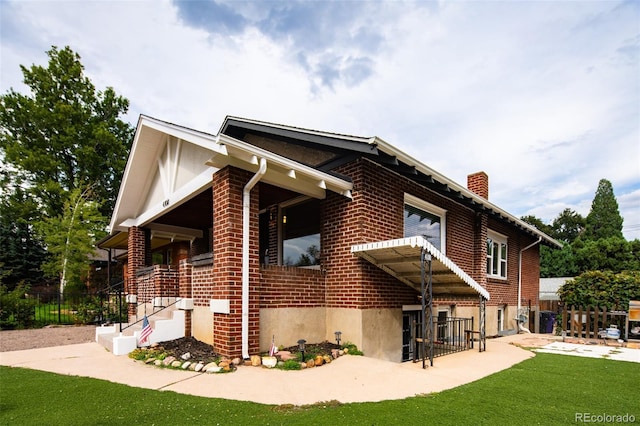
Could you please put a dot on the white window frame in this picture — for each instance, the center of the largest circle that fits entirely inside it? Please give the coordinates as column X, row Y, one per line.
column 502, row 263
column 421, row 204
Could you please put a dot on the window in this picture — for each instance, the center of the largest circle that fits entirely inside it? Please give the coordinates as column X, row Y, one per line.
column 496, row 255
column 301, row 234
column 426, row 220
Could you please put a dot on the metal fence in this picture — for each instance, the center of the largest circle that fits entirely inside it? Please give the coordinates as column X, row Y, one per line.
column 106, row 306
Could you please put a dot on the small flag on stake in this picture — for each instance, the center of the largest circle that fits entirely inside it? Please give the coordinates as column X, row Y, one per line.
column 272, row 349
column 146, row 331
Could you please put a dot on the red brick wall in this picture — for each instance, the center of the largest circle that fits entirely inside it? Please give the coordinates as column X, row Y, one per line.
column 202, row 284
column 159, row 281
column 228, row 184
column 291, row 287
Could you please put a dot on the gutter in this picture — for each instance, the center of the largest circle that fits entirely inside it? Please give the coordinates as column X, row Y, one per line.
column 520, row 326
column 246, row 209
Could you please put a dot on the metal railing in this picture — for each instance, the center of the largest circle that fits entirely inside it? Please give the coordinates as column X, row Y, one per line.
column 449, row 336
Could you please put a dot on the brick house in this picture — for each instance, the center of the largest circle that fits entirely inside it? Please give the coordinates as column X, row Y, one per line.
column 272, row 230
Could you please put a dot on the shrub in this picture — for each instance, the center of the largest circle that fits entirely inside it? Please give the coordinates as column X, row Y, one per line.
column 16, row 310
column 291, row 364
column 351, row 349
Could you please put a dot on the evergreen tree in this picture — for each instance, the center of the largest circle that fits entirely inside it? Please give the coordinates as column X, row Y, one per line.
column 568, row 226
column 604, row 220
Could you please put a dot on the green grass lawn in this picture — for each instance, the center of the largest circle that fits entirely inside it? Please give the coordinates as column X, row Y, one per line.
column 547, row 389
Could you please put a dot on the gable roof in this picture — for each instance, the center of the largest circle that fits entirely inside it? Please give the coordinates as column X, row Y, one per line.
column 170, row 164
column 385, row 154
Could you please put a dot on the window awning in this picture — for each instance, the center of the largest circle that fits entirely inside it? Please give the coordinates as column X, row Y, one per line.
column 401, row 259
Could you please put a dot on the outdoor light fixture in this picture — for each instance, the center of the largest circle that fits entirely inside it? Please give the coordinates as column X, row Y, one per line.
column 338, row 334
column 301, row 343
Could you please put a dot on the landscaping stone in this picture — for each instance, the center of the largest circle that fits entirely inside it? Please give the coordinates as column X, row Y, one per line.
column 311, row 363
column 327, row 359
column 168, row 360
column 256, row 360
column 186, row 356
column 157, row 362
column 236, row 361
column 210, row 365
column 212, row 370
column 319, row 360
column 176, row 364
column 199, row 366
column 185, row 365
column 285, row 355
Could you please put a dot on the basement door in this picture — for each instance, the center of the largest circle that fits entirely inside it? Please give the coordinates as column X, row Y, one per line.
column 409, row 319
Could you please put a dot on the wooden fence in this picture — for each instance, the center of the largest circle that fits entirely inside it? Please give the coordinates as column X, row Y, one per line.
column 586, row 322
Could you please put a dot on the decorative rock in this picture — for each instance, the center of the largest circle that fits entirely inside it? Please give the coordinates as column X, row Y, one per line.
column 285, row 355
column 236, row 361
column 303, row 365
column 334, row 353
column 224, row 363
column 319, row 361
column 256, row 361
column 157, row 362
column 341, row 352
column 346, row 350
column 327, row 359
column 186, row 365
column 212, row 370
column 199, row 366
column 149, row 360
column 210, row 365
column 186, row 356
column 269, row 361
column 154, row 345
column 168, row 360
column 311, row 363
column 176, row 364
column 192, row 366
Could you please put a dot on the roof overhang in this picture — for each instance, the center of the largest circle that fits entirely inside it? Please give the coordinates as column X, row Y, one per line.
column 281, row 172
column 401, row 258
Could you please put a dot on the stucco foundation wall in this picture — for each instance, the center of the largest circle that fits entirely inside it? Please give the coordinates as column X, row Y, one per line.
column 382, row 336
column 491, row 318
column 377, row 332
column 288, row 325
column 202, row 324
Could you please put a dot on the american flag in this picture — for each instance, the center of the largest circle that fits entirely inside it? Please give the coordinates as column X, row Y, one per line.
column 272, row 349
column 146, row 330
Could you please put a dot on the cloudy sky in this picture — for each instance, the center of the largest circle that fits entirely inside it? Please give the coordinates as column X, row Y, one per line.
column 544, row 96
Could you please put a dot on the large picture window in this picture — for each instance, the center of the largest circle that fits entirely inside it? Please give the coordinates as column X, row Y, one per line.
column 496, row 255
column 424, row 219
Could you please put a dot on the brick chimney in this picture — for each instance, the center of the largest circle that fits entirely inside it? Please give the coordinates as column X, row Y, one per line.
column 478, row 183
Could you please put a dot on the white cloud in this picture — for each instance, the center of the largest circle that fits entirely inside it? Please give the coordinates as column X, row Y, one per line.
column 543, row 96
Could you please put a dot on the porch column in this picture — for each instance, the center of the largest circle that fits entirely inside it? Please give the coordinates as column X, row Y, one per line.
column 184, row 291
column 136, row 260
column 228, row 184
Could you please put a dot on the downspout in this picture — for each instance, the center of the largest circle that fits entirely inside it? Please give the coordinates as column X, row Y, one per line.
column 520, row 326
column 246, row 210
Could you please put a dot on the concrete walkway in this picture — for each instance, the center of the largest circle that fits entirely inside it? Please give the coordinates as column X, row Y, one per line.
column 347, row 379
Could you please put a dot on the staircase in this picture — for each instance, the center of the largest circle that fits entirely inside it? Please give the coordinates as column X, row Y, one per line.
column 168, row 324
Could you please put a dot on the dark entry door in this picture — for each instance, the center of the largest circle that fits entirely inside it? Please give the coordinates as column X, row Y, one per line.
column 409, row 319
